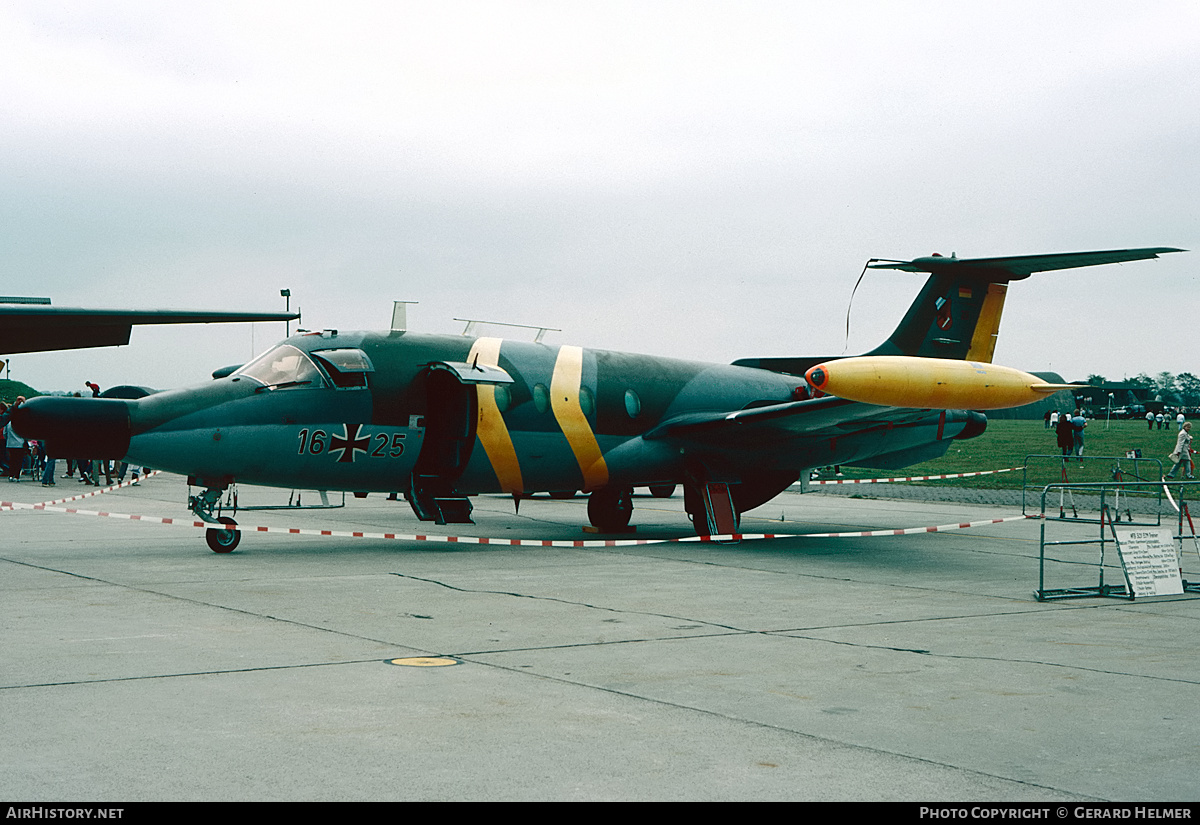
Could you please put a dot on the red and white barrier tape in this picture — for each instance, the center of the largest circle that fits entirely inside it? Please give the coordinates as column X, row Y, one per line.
column 359, row 534
column 1170, row 498
column 911, row 478
column 906, row 531
column 9, row 505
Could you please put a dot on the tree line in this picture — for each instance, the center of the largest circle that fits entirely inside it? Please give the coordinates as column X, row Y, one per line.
column 1181, row 390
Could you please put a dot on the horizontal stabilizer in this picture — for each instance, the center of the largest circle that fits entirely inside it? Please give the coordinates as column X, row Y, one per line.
column 1016, row 267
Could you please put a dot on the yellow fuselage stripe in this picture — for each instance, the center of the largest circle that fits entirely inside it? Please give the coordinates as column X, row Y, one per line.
column 564, row 401
column 492, row 431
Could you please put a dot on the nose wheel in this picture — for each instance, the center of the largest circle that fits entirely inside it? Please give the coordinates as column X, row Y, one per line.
column 223, row 541
column 220, row 539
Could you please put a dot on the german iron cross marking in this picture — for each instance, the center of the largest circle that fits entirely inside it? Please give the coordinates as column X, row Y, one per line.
column 349, row 443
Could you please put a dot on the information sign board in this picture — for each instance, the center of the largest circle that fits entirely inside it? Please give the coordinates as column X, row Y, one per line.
column 1150, row 561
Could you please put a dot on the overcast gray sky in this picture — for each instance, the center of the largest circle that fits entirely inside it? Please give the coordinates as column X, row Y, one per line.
column 696, row 179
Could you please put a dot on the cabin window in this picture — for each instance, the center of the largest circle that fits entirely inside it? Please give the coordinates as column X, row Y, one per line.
column 503, row 397
column 633, row 404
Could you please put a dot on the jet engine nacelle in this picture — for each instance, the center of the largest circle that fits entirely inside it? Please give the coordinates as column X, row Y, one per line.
column 76, row 427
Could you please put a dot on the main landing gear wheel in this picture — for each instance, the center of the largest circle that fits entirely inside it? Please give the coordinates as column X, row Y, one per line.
column 223, row 541
column 610, row 509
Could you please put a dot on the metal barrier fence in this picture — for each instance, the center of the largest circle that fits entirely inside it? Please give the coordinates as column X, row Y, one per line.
column 1129, row 477
column 1103, row 496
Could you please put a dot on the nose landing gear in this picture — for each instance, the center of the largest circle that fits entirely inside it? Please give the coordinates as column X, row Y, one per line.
column 220, row 540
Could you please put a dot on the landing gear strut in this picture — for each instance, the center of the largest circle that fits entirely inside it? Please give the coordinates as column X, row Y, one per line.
column 712, row 509
column 610, row 508
column 224, row 538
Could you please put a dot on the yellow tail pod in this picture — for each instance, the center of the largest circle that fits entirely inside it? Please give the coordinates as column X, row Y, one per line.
column 928, row 383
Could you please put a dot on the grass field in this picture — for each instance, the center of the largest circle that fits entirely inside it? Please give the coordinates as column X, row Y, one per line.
column 1008, row 443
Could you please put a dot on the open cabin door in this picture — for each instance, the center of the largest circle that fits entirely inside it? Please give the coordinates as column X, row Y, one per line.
column 451, row 418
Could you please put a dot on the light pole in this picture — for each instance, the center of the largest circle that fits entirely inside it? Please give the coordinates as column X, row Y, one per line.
column 287, row 325
column 1109, row 417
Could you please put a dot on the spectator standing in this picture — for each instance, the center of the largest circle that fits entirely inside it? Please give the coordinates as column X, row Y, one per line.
column 14, row 444
column 1065, row 435
column 1078, row 422
column 1183, row 452
column 47, row 465
column 3, row 447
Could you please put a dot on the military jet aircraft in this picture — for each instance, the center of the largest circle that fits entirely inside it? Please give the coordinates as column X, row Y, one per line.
column 444, row 417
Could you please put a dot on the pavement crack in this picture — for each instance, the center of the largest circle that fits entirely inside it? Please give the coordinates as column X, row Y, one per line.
column 789, row 729
column 998, row 659
column 214, row 605
column 184, row 674
column 575, row 603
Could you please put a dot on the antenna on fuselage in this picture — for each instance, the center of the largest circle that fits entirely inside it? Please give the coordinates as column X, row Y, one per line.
column 400, row 315
column 473, row 322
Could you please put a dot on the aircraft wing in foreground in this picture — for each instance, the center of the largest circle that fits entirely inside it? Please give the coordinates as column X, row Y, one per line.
column 40, row 327
column 444, row 417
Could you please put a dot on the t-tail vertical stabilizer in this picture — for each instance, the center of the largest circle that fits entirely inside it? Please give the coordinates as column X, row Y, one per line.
column 957, row 313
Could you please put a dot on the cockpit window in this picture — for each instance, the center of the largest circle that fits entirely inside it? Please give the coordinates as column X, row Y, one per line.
column 284, row 366
column 347, row 368
column 346, row 360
